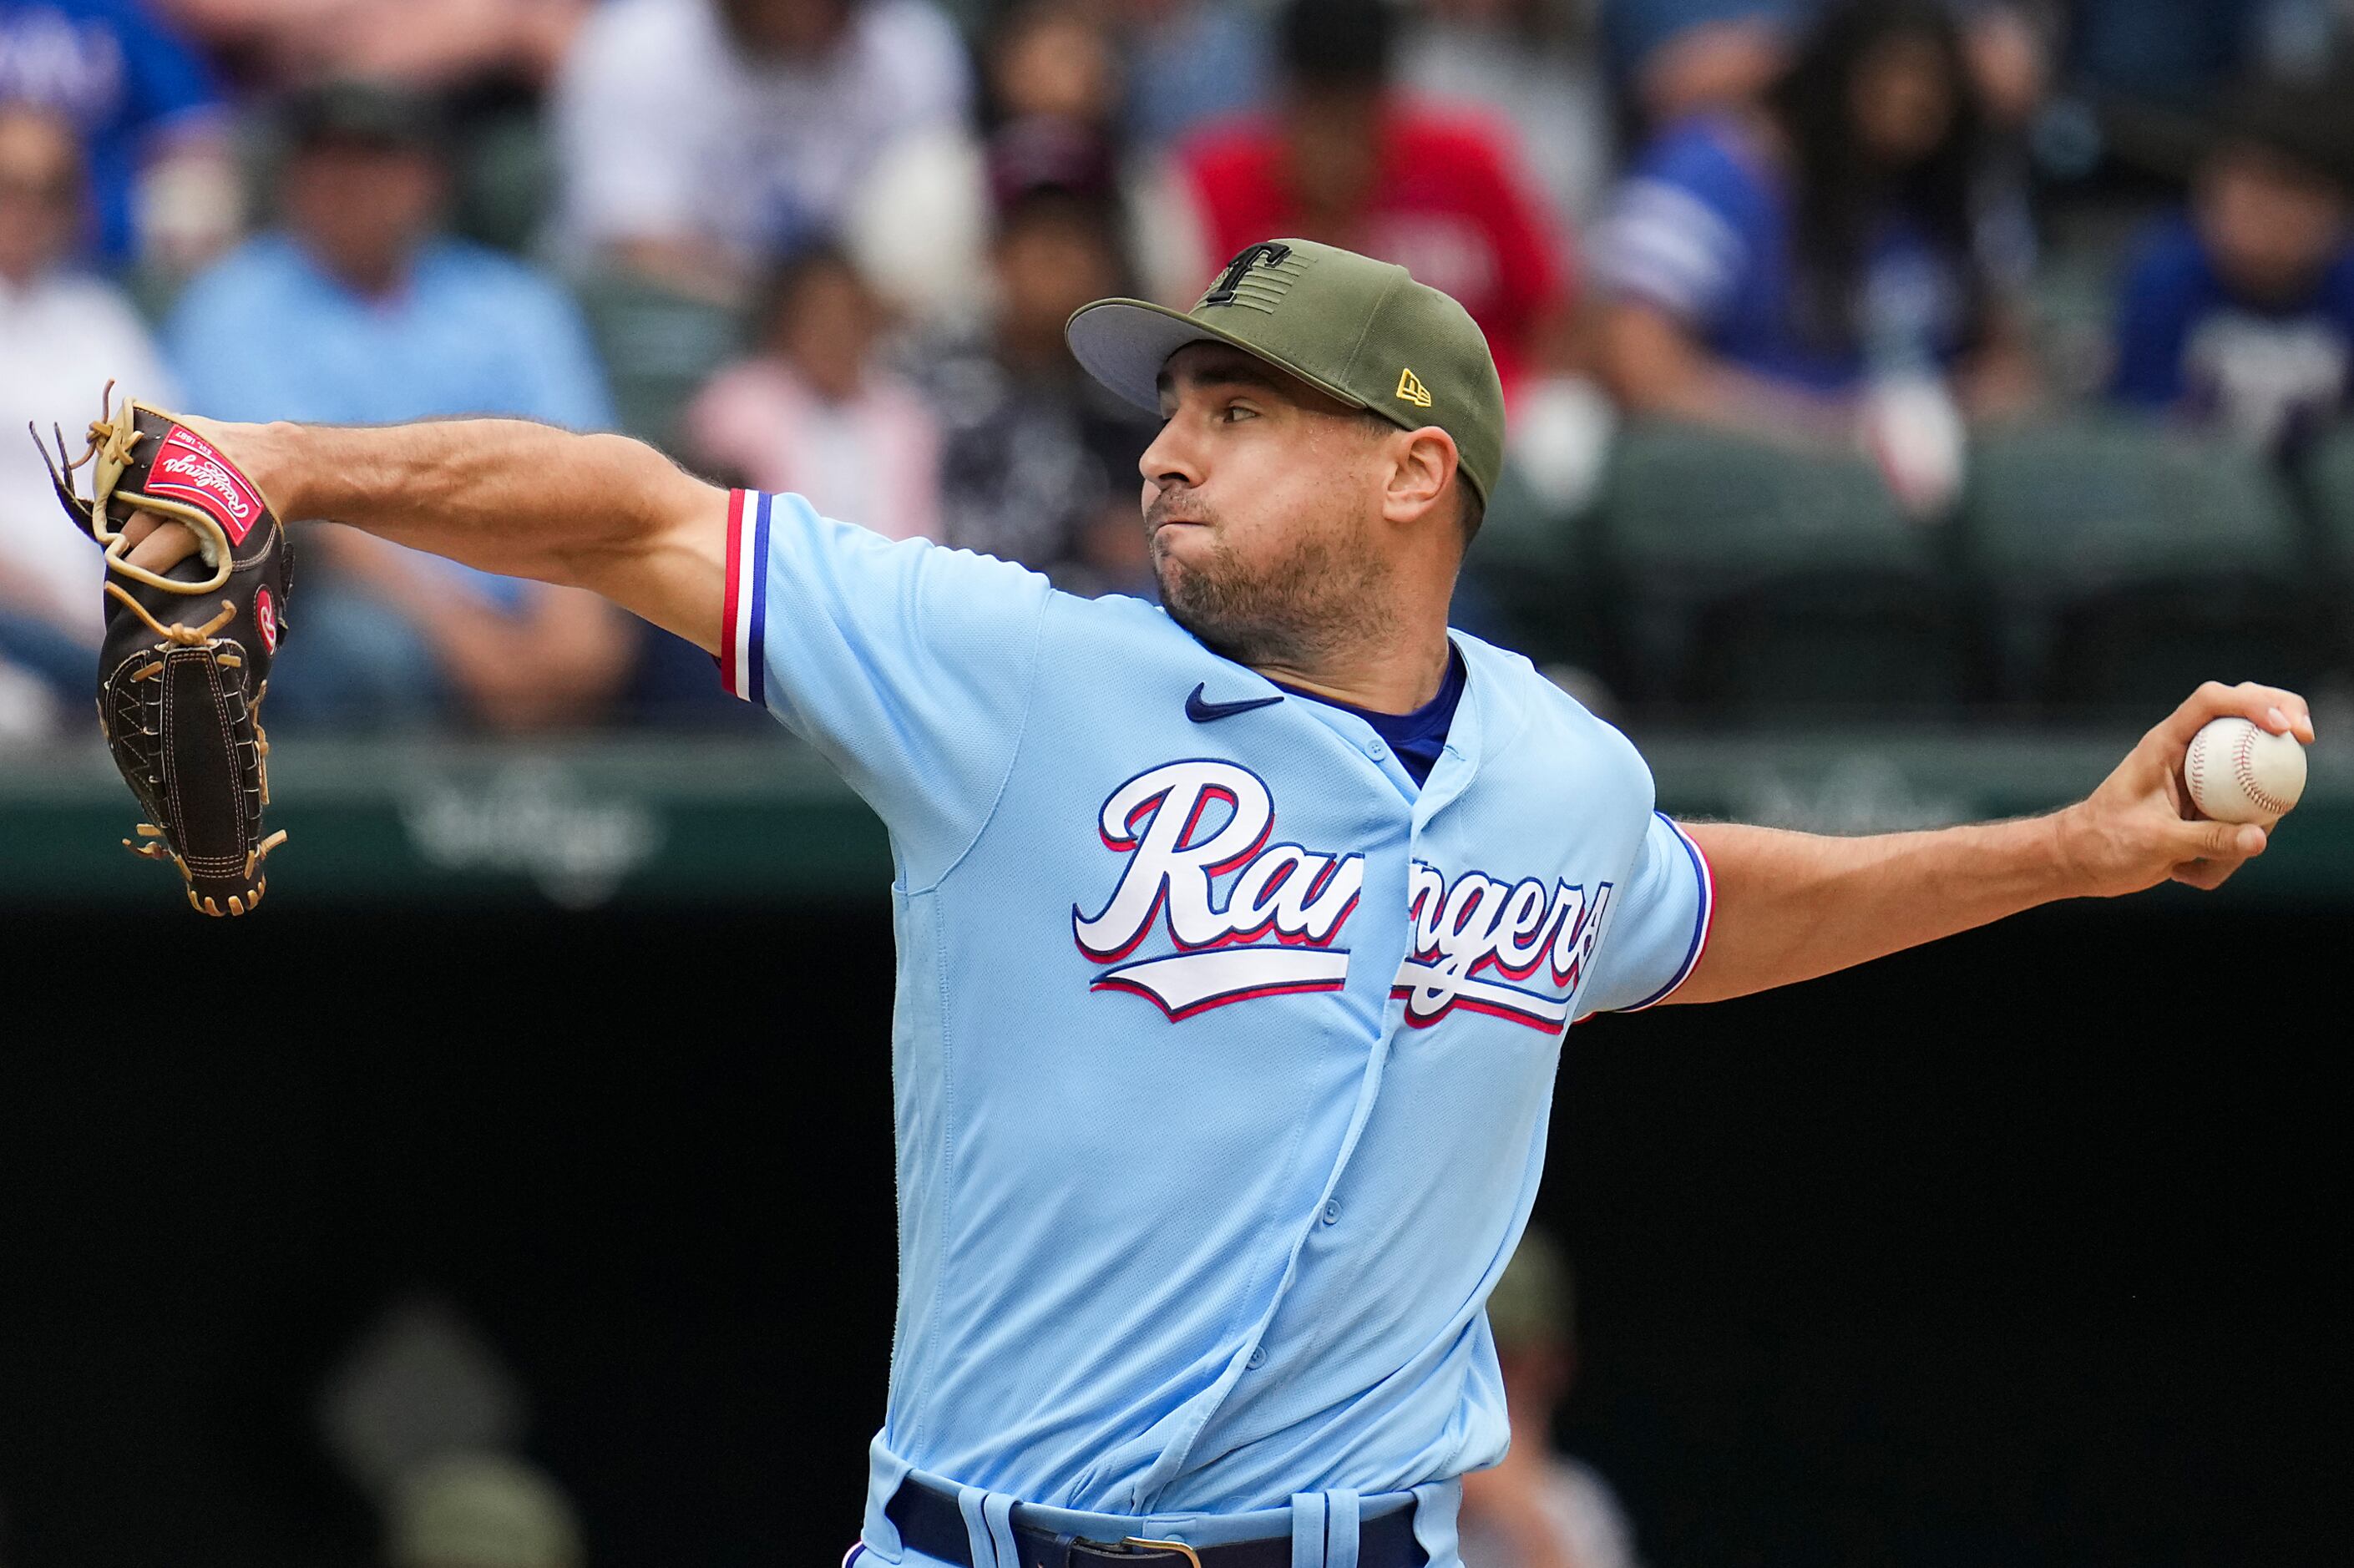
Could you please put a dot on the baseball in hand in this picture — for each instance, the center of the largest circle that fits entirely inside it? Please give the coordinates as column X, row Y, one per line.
column 2240, row 773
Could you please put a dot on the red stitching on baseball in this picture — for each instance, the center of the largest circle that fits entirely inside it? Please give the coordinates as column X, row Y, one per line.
column 2244, row 769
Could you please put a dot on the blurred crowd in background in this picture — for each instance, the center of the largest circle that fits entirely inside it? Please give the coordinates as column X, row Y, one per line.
column 1900, row 357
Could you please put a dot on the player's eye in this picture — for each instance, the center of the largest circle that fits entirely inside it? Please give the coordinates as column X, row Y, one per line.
column 1234, row 411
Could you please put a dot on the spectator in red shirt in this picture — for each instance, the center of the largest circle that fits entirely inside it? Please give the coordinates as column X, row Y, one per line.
column 1348, row 158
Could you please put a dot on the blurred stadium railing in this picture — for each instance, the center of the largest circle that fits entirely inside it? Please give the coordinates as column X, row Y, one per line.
column 646, row 820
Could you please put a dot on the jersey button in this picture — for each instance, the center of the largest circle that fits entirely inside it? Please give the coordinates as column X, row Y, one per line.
column 1375, row 749
column 1332, row 1210
column 1258, row 1359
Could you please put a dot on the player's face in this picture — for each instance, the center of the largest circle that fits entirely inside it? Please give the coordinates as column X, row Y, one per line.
column 1261, row 496
column 786, row 30
column 2274, row 227
column 360, row 207
column 40, row 192
column 1901, row 104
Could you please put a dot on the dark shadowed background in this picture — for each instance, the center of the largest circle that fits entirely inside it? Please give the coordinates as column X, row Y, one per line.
column 2025, row 1249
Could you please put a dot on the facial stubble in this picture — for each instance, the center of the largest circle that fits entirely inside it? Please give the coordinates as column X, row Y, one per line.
column 1319, row 597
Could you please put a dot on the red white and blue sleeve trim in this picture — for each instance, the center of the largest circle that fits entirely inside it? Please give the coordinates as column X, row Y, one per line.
column 1700, row 920
column 743, row 664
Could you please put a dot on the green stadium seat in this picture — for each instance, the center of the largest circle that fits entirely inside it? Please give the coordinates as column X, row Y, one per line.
column 506, row 181
column 2329, row 482
column 152, row 291
column 2069, row 302
column 2123, row 563
column 659, row 347
column 1531, row 566
column 1753, row 582
column 2330, row 475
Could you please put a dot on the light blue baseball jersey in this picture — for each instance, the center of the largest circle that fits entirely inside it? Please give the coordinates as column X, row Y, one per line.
column 1222, row 1052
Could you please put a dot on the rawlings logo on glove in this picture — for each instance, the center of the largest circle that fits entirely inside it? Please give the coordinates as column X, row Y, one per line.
column 190, row 470
column 180, row 705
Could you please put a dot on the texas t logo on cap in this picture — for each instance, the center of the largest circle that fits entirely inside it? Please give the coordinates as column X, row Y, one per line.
column 1221, row 292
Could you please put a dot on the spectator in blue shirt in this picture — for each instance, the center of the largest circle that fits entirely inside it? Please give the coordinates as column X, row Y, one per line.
column 146, row 110
column 1764, row 267
column 2237, row 312
column 359, row 311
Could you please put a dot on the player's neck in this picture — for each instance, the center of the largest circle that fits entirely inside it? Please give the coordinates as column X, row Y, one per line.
column 1397, row 677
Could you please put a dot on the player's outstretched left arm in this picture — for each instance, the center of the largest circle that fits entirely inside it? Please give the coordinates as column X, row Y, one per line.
column 1790, row 906
column 597, row 511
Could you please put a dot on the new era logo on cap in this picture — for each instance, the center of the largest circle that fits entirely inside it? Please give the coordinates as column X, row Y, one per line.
column 1412, row 390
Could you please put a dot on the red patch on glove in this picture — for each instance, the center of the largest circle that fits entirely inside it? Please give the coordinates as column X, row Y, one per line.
column 188, row 469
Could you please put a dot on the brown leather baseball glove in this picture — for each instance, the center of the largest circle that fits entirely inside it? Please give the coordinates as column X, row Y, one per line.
column 180, row 704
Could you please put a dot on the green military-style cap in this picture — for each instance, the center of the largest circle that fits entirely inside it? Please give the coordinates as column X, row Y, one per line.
column 1359, row 330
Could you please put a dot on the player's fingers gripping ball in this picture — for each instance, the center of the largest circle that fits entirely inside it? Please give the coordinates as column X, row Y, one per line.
column 186, row 658
column 2240, row 772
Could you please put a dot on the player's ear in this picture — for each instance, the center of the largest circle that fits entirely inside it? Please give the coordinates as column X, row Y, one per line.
column 1424, row 463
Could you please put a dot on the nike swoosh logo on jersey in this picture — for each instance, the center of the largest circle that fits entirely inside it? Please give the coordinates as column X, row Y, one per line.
column 1202, row 711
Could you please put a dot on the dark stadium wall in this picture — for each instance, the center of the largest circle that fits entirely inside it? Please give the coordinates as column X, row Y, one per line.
column 2024, row 1249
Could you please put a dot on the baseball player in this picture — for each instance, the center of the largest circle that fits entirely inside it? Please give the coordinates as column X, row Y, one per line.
column 1238, row 935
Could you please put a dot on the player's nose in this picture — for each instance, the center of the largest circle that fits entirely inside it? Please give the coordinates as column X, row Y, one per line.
column 1169, row 461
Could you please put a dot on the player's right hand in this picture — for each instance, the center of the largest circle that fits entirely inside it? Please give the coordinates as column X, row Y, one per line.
column 2140, row 827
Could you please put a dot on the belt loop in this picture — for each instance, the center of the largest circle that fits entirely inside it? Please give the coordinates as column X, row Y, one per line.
column 997, row 1510
column 1307, row 1529
column 1341, row 1531
column 980, row 1541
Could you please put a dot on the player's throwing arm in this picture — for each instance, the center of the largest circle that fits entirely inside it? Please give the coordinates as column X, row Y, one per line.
column 1794, row 906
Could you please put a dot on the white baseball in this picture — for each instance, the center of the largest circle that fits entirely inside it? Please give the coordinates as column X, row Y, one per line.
column 2240, row 773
